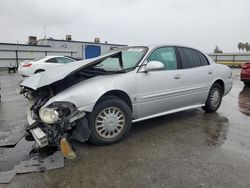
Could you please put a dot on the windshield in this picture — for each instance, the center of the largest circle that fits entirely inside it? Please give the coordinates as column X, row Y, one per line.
column 127, row 59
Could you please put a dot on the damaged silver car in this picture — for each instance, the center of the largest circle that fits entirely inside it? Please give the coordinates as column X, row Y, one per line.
column 98, row 99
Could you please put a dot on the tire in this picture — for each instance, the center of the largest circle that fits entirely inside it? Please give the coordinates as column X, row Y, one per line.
column 214, row 98
column 109, row 131
column 38, row 71
column 247, row 84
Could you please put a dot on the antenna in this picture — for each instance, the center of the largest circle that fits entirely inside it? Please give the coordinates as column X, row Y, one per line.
column 44, row 29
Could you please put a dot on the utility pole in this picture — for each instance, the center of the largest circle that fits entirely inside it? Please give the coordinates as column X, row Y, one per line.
column 44, row 29
column 17, row 45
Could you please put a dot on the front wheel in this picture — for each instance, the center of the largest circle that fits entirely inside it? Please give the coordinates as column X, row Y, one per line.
column 109, row 121
column 214, row 98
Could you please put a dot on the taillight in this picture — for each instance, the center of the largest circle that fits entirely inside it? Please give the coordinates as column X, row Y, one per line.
column 27, row 65
column 246, row 66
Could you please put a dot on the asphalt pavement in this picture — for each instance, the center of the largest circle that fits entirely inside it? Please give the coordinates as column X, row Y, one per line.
column 185, row 149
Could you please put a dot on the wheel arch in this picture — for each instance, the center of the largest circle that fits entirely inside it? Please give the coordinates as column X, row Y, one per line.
column 221, row 83
column 38, row 70
column 116, row 93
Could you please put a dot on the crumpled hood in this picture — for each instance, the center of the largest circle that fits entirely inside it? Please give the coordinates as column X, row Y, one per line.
column 50, row 76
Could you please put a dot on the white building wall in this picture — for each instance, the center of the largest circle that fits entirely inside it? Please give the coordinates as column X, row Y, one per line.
column 77, row 46
column 18, row 53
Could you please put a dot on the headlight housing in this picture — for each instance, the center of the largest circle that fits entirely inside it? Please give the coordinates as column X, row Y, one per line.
column 57, row 112
column 49, row 115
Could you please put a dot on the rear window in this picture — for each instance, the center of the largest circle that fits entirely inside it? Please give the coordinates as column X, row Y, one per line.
column 191, row 58
column 203, row 59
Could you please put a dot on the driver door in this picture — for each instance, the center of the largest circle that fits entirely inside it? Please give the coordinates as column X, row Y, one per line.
column 159, row 91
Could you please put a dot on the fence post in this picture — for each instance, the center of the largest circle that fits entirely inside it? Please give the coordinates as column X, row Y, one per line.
column 17, row 59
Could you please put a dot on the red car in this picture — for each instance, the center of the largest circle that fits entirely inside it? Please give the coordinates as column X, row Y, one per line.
column 245, row 73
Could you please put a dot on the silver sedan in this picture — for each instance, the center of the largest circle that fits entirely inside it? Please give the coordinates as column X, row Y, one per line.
column 98, row 99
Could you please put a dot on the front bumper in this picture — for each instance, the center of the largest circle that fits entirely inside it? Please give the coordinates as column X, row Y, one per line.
column 42, row 141
column 40, row 137
column 59, row 135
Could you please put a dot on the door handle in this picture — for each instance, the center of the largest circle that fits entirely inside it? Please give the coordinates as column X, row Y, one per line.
column 177, row 77
column 210, row 72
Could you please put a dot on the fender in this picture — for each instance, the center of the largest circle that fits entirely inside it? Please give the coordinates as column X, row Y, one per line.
column 85, row 94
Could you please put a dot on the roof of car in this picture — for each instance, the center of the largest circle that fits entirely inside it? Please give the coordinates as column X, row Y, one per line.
column 53, row 56
column 152, row 46
column 56, row 56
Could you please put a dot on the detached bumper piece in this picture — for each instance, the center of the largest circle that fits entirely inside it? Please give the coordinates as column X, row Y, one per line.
column 66, row 149
column 40, row 137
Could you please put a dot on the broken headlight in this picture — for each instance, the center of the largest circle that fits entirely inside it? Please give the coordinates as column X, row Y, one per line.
column 49, row 115
column 57, row 111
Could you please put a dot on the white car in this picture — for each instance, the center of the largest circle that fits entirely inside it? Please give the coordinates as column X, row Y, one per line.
column 42, row 64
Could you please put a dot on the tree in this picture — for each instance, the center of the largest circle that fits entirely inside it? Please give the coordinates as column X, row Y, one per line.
column 243, row 46
column 240, row 46
column 217, row 50
column 247, row 47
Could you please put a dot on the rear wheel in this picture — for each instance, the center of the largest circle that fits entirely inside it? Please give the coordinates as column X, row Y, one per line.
column 214, row 98
column 109, row 121
column 247, row 84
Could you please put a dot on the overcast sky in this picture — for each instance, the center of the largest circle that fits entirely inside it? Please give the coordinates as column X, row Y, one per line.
column 198, row 23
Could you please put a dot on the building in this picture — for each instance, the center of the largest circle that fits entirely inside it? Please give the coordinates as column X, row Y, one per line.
column 83, row 49
column 16, row 53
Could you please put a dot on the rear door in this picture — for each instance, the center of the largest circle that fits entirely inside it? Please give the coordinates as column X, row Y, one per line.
column 197, row 75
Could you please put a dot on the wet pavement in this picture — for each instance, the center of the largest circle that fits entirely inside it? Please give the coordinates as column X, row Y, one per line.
column 186, row 149
column 17, row 155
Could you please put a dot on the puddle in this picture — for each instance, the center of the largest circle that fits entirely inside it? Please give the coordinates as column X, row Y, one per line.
column 216, row 129
column 244, row 101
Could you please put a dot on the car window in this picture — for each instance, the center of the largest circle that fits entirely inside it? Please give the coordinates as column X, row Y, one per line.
column 129, row 57
column 110, row 64
column 59, row 60
column 166, row 55
column 203, row 59
column 51, row 60
column 191, row 58
column 63, row 60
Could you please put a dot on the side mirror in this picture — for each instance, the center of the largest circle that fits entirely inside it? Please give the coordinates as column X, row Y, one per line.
column 153, row 65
